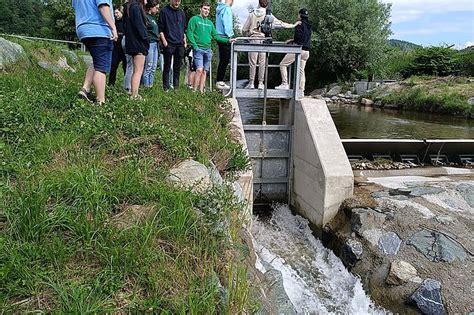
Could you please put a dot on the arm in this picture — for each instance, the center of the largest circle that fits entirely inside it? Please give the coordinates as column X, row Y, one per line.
column 246, row 27
column 190, row 33
column 228, row 26
column 162, row 28
column 104, row 10
column 280, row 24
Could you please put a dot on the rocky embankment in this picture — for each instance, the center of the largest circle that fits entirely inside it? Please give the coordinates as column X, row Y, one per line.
column 409, row 238
column 393, row 94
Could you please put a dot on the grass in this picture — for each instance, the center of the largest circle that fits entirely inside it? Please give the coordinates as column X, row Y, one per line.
column 444, row 95
column 88, row 223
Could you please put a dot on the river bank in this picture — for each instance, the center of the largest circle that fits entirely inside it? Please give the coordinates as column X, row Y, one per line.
column 407, row 231
column 449, row 95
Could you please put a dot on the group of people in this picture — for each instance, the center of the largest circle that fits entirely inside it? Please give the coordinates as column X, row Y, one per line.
column 133, row 36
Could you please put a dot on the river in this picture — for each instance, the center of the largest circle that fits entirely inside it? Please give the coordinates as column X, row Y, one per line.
column 371, row 123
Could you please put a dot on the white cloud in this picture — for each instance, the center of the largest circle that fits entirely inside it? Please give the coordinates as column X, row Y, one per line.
column 465, row 45
column 411, row 10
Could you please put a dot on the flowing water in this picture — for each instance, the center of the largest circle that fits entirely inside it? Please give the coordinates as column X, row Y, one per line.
column 315, row 279
column 370, row 123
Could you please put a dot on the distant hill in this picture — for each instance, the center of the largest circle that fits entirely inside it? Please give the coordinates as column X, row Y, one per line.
column 403, row 45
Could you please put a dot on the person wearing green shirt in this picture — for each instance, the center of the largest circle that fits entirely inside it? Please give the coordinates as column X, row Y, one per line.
column 200, row 33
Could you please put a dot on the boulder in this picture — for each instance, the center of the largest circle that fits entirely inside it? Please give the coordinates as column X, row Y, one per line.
column 334, row 91
column 9, row 52
column 363, row 219
column 57, row 67
column 348, row 94
column 390, row 243
column 319, row 92
column 467, row 192
column 341, row 95
column 71, row 56
column 401, row 272
column 192, row 175
column 366, row 102
column 275, row 292
column 437, row 247
column 351, row 252
column 373, row 236
column 471, row 101
column 428, row 298
column 87, row 59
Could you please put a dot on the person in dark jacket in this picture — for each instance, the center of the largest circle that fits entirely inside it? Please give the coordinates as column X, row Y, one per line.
column 172, row 25
column 137, row 41
column 302, row 37
column 118, row 55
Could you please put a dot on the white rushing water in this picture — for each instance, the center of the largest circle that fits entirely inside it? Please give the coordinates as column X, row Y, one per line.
column 315, row 279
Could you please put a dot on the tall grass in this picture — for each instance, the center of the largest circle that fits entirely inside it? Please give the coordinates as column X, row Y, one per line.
column 71, row 171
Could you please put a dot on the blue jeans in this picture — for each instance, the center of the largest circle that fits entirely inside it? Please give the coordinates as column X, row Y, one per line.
column 151, row 62
column 202, row 58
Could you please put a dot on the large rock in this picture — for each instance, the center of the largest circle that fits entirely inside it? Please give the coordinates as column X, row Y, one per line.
column 319, row 92
column 437, row 247
column 9, row 52
column 192, row 175
column 428, row 298
column 56, row 67
column 275, row 291
column 334, row 91
column 366, row 102
column 351, row 252
column 471, row 101
column 390, row 243
column 363, row 219
column 401, row 272
column 467, row 192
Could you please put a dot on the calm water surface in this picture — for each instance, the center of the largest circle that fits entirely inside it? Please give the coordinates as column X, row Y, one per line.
column 367, row 122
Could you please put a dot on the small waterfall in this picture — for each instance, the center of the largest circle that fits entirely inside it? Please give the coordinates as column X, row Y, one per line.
column 315, row 279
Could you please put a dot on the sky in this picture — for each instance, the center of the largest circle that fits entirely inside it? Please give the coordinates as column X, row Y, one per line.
column 423, row 22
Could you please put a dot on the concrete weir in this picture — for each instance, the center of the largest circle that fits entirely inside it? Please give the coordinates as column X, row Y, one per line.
column 300, row 161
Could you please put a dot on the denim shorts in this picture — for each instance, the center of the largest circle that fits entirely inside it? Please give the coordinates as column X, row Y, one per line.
column 202, row 58
column 101, row 52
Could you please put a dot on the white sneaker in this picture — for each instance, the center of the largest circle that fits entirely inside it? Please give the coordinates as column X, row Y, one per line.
column 282, row 86
column 261, row 86
column 250, row 86
column 222, row 86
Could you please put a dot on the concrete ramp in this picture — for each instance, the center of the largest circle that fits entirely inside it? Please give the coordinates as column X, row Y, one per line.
column 322, row 175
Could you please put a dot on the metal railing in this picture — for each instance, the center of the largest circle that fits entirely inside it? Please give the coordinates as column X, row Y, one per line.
column 248, row 44
column 30, row 38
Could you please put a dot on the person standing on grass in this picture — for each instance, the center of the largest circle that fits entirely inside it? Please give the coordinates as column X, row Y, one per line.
column 151, row 60
column 95, row 28
column 172, row 25
column 302, row 37
column 137, row 41
column 118, row 55
column 200, row 33
column 253, row 27
column 225, row 28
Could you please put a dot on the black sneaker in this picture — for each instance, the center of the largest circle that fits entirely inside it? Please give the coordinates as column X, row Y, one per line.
column 85, row 95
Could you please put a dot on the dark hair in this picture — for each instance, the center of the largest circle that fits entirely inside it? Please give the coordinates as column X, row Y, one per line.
column 205, row 4
column 151, row 4
column 263, row 3
column 142, row 7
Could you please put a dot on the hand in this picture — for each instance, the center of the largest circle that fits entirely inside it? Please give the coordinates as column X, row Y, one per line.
column 297, row 23
column 114, row 34
column 165, row 43
column 232, row 40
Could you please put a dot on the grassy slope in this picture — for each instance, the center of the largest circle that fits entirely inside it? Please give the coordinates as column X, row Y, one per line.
column 69, row 169
column 446, row 95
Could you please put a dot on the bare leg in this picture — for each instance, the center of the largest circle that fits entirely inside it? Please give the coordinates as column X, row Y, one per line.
column 138, row 64
column 88, row 79
column 197, row 78
column 99, row 85
column 203, row 81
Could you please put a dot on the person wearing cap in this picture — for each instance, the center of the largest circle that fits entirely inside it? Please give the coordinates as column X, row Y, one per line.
column 252, row 26
column 302, row 37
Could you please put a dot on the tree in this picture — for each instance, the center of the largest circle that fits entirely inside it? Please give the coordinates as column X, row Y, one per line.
column 348, row 35
column 21, row 17
column 60, row 20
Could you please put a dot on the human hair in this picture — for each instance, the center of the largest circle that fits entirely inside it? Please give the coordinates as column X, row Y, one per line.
column 142, row 6
column 151, row 4
column 263, row 3
column 205, row 4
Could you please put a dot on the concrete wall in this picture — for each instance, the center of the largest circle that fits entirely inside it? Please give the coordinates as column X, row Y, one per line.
column 245, row 180
column 322, row 175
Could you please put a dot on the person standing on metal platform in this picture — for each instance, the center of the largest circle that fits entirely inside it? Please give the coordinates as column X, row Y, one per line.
column 225, row 28
column 200, row 33
column 302, row 37
column 253, row 27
